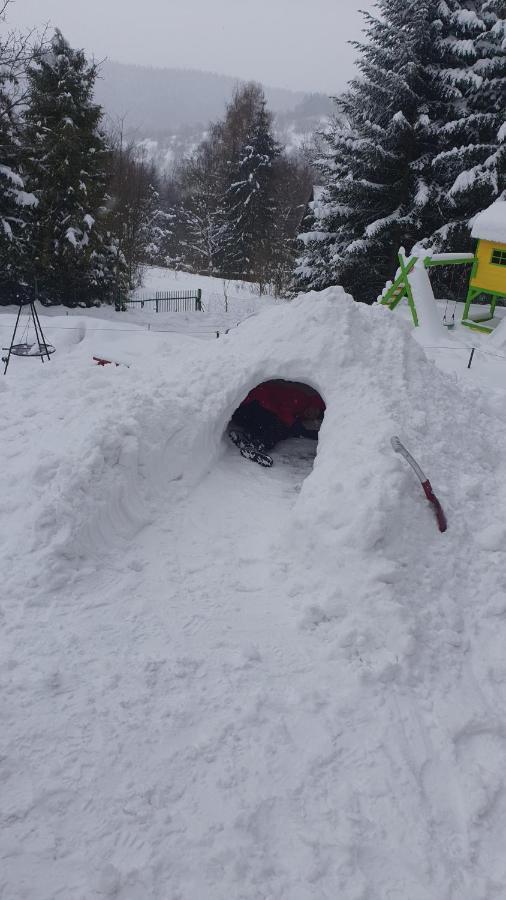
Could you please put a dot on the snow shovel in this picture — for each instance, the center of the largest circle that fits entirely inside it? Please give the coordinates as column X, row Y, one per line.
column 424, row 481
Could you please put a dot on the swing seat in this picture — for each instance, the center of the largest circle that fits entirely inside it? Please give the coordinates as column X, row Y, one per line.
column 26, row 349
column 477, row 319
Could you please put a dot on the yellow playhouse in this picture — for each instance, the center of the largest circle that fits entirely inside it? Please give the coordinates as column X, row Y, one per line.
column 488, row 275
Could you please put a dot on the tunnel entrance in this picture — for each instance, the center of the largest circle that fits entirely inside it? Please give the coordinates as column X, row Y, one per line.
column 273, row 412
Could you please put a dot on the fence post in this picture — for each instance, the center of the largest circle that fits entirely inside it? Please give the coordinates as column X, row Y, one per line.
column 199, row 300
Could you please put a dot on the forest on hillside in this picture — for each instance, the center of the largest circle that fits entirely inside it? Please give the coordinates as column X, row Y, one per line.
column 82, row 209
column 417, row 146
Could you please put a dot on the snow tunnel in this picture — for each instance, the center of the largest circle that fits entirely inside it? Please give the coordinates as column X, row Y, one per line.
column 277, row 411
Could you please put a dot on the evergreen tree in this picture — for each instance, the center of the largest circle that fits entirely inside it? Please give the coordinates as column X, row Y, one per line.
column 387, row 169
column 240, row 198
column 250, row 203
column 378, row 188
column 312, row 266
column 15, row 201
column 471, row 164
column 74, row 260
column 158, row 234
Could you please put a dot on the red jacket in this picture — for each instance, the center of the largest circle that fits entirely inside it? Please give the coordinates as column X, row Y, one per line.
column 287, row 400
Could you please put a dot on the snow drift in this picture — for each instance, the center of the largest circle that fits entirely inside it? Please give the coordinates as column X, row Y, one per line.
column 316, row 712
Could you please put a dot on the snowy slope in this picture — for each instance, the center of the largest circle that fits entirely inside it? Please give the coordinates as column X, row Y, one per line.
column 218, row 294
column 226, row 682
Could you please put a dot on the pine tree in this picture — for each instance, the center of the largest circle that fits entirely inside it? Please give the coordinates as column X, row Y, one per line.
column 74, row 258
column 311, row 264
column 250, row 203
column 15, row 201
column 378, row 189
column 409, row 120
column 158, row 233
column 471, row 165
column 240, row 198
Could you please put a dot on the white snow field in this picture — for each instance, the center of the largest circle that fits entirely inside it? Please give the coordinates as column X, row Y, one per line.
column 221, row 682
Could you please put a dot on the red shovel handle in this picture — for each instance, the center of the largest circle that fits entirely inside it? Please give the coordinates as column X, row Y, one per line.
column 431, row 497
column 399, row 447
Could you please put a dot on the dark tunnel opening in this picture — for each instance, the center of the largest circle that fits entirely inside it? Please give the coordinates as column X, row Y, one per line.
column 273, row 412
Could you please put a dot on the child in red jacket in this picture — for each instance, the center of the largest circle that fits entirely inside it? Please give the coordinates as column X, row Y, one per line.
column 272, row 412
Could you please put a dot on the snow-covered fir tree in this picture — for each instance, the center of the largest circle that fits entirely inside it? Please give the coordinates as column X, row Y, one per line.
column 239, row 200
column 375, row 168
column 312, row 269
column 250, row 206
column 159, row 235
column 73, row 258
column 470, row 167
column 15, row 201
column 405, row 121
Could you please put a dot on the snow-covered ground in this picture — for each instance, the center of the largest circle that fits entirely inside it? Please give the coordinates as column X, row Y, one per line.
column 225, row 305
column 220, row 297
column 226, row 682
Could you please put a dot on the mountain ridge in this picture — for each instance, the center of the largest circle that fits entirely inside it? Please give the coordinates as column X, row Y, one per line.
column 160, row 100
column 167, row 111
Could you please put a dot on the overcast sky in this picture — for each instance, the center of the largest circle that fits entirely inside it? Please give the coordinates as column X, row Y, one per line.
column 299, row 44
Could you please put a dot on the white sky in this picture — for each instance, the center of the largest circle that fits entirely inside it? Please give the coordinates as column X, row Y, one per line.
column 298, row 44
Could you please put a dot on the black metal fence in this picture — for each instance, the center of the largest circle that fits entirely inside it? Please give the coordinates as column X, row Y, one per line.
column 165, row 301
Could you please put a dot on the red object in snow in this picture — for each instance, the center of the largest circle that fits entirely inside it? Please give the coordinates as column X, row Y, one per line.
column 438, row 509
column 286, row 399
column 105, row 362
column 424, row 481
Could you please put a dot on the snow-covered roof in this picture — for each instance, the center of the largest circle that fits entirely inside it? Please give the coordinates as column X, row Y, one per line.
column 490, row 225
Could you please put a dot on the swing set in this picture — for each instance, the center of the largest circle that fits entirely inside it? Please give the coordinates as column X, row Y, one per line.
column 38, row 347
column 400, row 288
column 487, row 282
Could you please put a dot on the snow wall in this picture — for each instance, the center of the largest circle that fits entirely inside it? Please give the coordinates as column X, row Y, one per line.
column 137, row 434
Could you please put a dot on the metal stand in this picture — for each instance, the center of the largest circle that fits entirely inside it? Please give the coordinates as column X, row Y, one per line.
column 24, row 349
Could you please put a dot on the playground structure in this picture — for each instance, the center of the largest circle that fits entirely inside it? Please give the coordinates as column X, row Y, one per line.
column 36, row 346
column 488, row 272
column 401, row 288
column 488, row 275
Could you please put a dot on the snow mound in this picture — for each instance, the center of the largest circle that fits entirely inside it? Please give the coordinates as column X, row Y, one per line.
column 349, row 741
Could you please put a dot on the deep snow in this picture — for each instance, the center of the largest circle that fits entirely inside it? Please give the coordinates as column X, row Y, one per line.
column 225, row 682
column 490, row 224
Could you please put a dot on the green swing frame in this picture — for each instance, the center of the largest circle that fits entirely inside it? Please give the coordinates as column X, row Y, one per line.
column 400, row 289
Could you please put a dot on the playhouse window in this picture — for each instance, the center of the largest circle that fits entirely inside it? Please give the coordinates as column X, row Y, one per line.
column 498, row 257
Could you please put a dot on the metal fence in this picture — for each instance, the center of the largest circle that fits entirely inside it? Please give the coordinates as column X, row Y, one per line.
column 166, row 301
